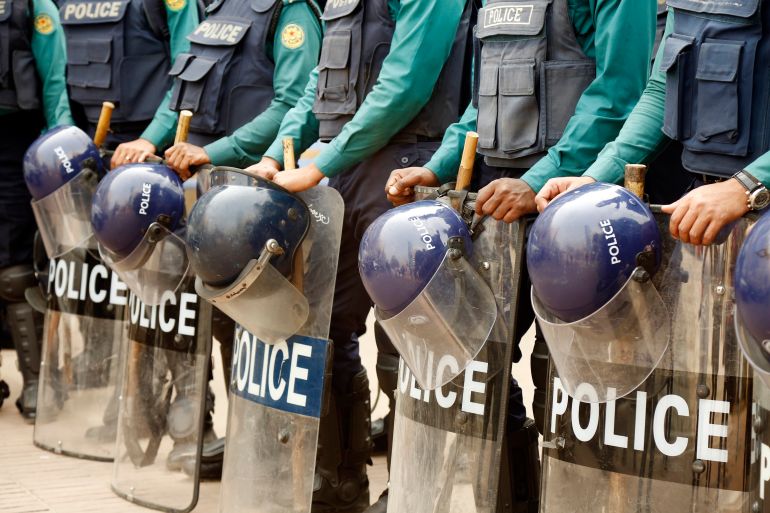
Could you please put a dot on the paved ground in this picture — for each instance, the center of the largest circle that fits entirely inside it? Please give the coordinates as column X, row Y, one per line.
column 33, row 480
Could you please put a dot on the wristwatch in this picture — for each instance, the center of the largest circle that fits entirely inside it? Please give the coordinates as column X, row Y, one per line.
column 757, row 196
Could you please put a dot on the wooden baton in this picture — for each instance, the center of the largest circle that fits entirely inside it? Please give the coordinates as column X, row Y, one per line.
column 183, row 127
column 634, row 179
column 103, row 126
column 465, row 173
column 289, row 162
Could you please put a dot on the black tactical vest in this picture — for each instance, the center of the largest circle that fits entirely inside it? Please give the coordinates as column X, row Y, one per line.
column 356, row 42
column 718, row 83
column 227, row 78
column 531, row 73
column 19, row 83
column 114, row 54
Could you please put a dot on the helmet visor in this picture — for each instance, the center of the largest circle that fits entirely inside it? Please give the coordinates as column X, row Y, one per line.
column 608, row 354
column 440, row 333
column 261, row 300
column 157, row 265
column 64, row 216
column 757, row 352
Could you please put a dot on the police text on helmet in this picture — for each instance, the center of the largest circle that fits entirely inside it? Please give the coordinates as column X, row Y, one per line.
column 65, row 161
column 80, row 281
column 91, row 10
column 145, row 202
column 612, row 241
column 423, row 231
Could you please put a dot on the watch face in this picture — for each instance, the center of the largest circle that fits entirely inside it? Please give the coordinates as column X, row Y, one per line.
column 760, row 199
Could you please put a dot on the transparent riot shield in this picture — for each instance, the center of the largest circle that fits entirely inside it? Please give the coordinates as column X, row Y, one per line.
column 680, row 441
column 163, row 399
column 447, row 443
column 84, row 329
column 276, row 390
column 759, row 474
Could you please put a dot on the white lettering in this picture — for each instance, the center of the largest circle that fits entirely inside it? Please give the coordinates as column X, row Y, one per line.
column 706, row 430
column 659, row 425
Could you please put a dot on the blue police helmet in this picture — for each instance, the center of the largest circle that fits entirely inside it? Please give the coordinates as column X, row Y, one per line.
column 130, row 199
column 403, row 248
column 584, row 247
column 58, row 156
column 231, row 224
column 752, row 283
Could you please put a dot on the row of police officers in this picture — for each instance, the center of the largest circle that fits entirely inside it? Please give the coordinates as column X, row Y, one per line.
column 561, row 93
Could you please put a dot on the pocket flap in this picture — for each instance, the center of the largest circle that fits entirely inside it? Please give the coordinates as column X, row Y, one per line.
column 99, row 50
column 262, row 5
column 335, row 51
column 517, row 78
column 488, row 79
column 719, row 61
column 77, row 51
column 339, row 8
column 85, row 51
column 219, row 31
column 740, row 8
column 675, row 44
column 197, row 69
column 180, row 63
column 512, row 19
column 86, row 12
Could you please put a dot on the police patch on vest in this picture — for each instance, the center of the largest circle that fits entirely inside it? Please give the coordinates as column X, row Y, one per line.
column 292, row 36
column 219, row 32
column 92, row 12
column 495, row 16
column 176, row 5
column 43, row 24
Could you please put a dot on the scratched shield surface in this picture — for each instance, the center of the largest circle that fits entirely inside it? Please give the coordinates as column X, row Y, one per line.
column 276, row 390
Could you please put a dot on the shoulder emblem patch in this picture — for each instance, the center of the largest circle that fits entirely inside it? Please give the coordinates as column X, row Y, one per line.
column 44, row 24
column 176, row 5
column 293, row 36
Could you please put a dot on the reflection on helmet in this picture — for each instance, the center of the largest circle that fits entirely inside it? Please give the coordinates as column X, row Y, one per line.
column 402, row 250
column 752, row 287
column 129, row 200
column 584, row 247
column 56, row 157
column 231, row 225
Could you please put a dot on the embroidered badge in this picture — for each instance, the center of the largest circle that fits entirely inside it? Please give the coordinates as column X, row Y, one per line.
column 44, row 24
column 176, row 5
column 292, row 36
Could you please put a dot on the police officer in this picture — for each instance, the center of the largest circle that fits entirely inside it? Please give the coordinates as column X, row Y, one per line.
column 699, row 95
column 249, row 88
column 385, row 90
column 121, row 51
column 33, row 95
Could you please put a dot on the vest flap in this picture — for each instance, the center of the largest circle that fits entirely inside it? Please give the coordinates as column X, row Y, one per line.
column 180, row 63
column 339, row 9
column 84, row 12
column 220, row 31
column 674, row 45
column 335, row 52
column 742, row 8
column 197, row 69
column 512, row 19
column 86, row 51
column 262, row 5
column 6, row 9
column 719, row 62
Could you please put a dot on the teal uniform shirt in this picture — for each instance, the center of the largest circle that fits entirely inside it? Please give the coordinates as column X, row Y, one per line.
column 49, row 50
column 642, row 138
column 295, row 56
column 182, row 17
column 619, row 35
column 424, row 34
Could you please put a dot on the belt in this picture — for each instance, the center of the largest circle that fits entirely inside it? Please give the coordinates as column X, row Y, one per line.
column 709, row 179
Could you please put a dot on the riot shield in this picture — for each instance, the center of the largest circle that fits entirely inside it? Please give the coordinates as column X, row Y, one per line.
column 759, row 473
column 163, row 398
column 447, row 443
column 276, row 390
column 680, row 441
column 83, row 331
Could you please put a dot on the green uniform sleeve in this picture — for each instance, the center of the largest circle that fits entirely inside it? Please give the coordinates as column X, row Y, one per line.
column 182, row 20
column 422, row 40
column 641, row 138
column 49, row 50
column 623, row 42
column 295, row 50
column 446, row 161
column 760, row 168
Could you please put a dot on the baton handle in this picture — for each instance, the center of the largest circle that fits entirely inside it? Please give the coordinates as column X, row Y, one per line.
column 104, row 123
column 183, row 126
column 634, row 180
column 289, row 162
column 465, row 173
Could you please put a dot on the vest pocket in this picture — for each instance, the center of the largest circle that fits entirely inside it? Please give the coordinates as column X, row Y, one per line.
column 676, row 54
column 517, row 114
column 487, row 105
column 562, row 85
column 25, row 80
column 88, row 66
column 334, row 92
column 717, row 85
column 191, row 76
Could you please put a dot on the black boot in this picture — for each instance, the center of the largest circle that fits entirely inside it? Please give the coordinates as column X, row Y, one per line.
column 27, row 330
column 520, row 471
column 344, row 449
